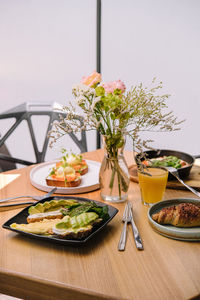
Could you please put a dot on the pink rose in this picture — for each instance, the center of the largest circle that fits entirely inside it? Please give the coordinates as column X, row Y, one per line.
column 113, row 85
column 92, row 80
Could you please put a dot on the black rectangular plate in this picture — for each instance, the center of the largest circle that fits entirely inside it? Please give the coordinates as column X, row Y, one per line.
column 21, row 218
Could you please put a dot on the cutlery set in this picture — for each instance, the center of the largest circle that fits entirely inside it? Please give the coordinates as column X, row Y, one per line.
column 128, row 218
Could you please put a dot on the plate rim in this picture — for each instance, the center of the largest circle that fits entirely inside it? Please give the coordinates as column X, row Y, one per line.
column 63, row 190
column 60, row 240
column 166, row 231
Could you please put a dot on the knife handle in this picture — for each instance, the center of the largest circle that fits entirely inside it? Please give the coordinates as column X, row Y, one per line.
column 137, row 239
column 122, row 240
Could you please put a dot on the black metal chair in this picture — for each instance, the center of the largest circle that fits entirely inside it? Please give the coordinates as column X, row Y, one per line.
column 24, row 112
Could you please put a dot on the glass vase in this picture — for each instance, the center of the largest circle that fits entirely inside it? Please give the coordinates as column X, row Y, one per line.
column 114, row 177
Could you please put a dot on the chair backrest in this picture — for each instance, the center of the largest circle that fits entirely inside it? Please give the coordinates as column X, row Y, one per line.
column 6, row 165
column 24, row 112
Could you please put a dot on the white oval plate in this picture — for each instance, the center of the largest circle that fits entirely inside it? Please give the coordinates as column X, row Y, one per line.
column 90, row 181
column 178, row 233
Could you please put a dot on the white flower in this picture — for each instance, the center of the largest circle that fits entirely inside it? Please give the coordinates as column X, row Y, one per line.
column 81, row 88
column 80, row 100
column 95, row 101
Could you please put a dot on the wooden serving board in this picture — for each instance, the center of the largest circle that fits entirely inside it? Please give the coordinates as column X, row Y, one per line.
column 193, row 180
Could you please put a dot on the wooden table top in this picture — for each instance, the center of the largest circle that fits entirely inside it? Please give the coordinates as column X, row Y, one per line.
column 34, row 269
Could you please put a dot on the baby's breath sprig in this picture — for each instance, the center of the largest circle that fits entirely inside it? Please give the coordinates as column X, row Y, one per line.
column 114, row 113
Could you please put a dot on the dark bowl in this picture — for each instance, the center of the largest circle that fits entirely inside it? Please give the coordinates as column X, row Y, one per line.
column 184, row 171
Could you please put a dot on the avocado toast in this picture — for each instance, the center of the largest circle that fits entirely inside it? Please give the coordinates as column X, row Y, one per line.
column 63, row 218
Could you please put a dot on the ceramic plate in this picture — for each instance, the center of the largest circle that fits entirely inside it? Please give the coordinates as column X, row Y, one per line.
column 185, row 234
column 21, row 217
column 90, row 181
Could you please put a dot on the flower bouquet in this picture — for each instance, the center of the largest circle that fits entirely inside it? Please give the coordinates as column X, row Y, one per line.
column 115, row 113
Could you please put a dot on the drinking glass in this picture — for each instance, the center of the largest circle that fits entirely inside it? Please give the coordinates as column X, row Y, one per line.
column 152, row 182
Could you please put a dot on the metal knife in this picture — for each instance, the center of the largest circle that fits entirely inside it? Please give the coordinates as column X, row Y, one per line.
column 137, row 238
column 25, row 203
column 49, row 194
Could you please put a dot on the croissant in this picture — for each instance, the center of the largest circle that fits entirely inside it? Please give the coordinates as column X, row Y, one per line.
column 181, row 215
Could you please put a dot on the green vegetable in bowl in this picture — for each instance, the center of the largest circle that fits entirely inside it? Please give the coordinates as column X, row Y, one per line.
column 166, row 161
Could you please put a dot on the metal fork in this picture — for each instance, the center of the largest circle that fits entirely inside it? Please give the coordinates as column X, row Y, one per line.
column 174, row 172
column 126, row 218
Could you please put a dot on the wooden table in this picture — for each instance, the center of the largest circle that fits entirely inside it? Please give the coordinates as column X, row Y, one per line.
column 33, row 269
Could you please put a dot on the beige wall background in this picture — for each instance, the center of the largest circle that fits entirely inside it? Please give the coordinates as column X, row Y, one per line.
column 47, row 46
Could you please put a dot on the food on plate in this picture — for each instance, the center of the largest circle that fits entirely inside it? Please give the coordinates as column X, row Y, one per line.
column 77, row 226
column 181, row 215
column 77, row 162
column 166, row 161
column 71, row 227
column 41, row 227
column 49, row 209
column 67, row 172
column 67, row 218
column 63, row 177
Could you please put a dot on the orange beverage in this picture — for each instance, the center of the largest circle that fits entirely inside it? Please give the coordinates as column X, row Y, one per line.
column 152, row 186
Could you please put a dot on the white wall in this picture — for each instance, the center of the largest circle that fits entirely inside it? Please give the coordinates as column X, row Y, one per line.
column 47, row 46
column 156, row 38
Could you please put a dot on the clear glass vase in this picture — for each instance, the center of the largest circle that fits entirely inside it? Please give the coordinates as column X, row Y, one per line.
column 114, row 177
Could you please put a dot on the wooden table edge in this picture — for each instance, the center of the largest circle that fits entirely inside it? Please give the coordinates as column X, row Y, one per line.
column 29, row 287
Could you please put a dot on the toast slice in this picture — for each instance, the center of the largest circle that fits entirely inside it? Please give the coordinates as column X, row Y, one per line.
column 67, row 181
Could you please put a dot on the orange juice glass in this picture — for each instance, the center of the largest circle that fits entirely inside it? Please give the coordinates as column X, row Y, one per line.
column 152, row 186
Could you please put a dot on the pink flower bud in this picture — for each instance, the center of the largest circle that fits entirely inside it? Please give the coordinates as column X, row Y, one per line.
column 113, row 85
column 92, row 79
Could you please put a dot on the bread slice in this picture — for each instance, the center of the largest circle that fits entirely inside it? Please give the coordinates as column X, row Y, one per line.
column 63, row 182
column 84, row 170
